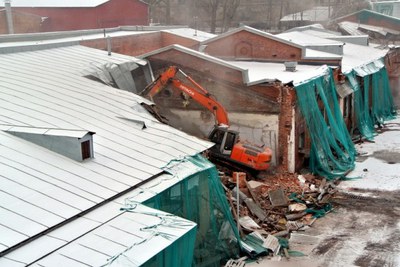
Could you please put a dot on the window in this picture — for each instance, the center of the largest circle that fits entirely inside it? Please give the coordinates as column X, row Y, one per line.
column 230, row 141
column 85, row 149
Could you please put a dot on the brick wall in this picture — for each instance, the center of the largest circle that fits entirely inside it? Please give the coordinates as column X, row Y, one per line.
column 286, row 100
column 224, row 83
column 170, row 39
column 247, row 45
column 132, row 45
column 23, row 23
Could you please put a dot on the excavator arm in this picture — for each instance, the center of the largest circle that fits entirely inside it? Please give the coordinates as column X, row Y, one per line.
column 197, row 92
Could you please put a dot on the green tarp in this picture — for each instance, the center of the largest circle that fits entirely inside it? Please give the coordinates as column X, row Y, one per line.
column 332, row 151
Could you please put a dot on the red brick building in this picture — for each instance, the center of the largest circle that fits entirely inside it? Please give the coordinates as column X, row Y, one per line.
column 77, row 15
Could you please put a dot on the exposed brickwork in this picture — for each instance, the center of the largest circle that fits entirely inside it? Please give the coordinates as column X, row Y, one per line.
column 132, row 45
column 170, row 39
column 286, row 100
column 247, row 45
column 224, row 83
column 23, row 23
column 113, row 13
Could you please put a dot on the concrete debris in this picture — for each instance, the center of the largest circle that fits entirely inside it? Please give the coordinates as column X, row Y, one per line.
column 248, row 223
column 296, row 207
column 278, row 198
column 253, row 207
column 275, row 209
column 294, row 225
column 254, row 184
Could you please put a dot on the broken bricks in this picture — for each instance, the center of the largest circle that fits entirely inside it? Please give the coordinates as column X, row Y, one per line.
column 282, row 205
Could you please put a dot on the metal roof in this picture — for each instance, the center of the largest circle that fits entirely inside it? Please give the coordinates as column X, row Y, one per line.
column 317, row 14
column 58, row 3
column 54, row 248
column 195, row 54
column 254, row 31
column 41, row 189
column 191, row 34
column 265, row 71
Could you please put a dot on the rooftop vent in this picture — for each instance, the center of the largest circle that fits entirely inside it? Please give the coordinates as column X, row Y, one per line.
column 290, row 66
column 74, row 144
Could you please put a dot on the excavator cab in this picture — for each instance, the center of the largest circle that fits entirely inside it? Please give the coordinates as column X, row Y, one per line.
column 224, row 139
column 228, row 148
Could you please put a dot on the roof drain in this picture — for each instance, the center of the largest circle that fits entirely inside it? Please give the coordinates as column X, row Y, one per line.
column 290, row 66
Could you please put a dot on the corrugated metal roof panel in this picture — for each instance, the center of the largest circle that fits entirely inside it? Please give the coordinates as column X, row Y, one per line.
column 46, row 89
column 36, row 249
column 138, row 235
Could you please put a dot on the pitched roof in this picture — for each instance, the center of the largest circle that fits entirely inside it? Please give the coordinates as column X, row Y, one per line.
column 254, row 31
column 317, row 14
column 40, row 189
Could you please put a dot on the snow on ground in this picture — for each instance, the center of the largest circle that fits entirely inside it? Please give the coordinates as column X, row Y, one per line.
column 379, row 166
column 364, row 227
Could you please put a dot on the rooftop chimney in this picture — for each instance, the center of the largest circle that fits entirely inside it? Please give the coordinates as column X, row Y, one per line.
column 10, row 25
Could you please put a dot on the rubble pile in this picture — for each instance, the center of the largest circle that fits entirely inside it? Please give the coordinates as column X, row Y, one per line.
column 272, row 208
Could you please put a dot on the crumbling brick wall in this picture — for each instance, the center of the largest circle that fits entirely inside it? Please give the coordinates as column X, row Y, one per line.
column 286, row 100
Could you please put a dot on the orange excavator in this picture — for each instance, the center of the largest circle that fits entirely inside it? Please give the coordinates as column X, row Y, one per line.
column 228, row 150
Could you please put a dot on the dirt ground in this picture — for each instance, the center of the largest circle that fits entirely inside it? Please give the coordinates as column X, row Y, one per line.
column 363, row 228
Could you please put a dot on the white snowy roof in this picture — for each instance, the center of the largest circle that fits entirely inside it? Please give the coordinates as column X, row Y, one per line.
column 254, row 31
column 304, row 39
column 319, row 13
column 259, row 72
column 359, row 55
column 58, row 3
column 195, row 54
column 38, row 39
column 41, row 189
column 191, row 34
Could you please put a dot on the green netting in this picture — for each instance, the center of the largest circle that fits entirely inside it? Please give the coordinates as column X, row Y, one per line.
column 200, row 198
column 172, row 255
column 364, row 121
column 332, row 150
column 382, row 102
column 373, row 103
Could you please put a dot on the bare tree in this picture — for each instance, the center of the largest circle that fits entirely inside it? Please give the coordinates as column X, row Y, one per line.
column 160, row 4
column 229, row 10
column 211, row 7
column 350, row 7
